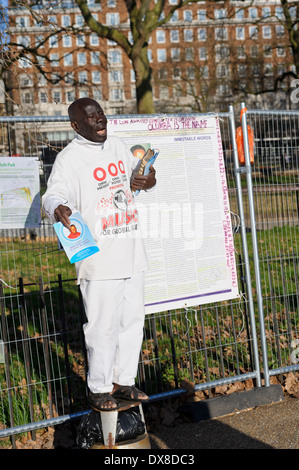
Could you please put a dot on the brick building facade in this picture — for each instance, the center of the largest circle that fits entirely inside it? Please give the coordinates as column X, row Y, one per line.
column 209, row 55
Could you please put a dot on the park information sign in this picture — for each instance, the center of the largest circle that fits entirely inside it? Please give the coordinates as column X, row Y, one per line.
column 186, row 219
column 19, row 192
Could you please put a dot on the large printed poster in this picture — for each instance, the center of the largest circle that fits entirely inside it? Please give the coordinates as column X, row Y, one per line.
column 19, row 192
column 185, row 220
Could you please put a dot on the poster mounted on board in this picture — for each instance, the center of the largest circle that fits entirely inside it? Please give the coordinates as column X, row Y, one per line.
column 19, row 192
column 186, row 219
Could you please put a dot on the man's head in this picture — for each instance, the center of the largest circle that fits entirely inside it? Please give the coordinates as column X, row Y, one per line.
column 88, row 119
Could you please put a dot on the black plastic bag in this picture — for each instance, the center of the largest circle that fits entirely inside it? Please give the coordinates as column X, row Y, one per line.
column 129, row 426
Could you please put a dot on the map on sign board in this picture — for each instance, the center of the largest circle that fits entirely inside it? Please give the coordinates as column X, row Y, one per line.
column 19, row 192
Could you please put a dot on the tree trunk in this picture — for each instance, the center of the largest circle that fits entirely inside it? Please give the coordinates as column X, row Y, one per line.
column 144, row 92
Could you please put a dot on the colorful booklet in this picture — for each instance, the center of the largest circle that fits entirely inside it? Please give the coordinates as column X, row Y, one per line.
column 78, row 243
column 147, row 166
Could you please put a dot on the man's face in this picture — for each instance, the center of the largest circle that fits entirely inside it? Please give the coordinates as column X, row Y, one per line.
column 91, row 122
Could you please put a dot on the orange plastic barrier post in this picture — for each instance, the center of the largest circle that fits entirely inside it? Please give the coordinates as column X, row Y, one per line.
column 240, row 144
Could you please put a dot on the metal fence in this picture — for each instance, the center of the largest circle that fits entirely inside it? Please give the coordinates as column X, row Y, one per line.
column 244, row 341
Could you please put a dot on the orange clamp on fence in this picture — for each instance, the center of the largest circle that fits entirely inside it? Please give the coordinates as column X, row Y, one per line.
column 240, row 144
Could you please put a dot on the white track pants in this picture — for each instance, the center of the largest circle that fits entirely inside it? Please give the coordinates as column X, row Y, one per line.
column 114, row 330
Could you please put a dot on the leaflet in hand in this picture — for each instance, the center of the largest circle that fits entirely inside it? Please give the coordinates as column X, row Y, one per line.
column 78, row 243
column 147, row 167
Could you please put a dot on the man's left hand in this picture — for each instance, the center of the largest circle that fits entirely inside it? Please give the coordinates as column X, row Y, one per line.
column 144, row 182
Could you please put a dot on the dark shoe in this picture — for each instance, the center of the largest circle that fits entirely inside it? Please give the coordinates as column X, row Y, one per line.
column 125, row 392
column 103, row 402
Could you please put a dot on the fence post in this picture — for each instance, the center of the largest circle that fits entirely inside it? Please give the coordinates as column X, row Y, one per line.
column 245, row 248
column 255, row 247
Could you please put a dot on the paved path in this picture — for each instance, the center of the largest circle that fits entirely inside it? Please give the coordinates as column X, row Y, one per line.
column 274, row 426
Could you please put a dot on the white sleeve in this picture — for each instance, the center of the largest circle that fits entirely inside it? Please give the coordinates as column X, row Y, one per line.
column 59, row 190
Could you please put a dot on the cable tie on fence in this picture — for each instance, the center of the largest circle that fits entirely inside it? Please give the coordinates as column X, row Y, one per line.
column 242, row 296
column 193, row 310
column 11, row 287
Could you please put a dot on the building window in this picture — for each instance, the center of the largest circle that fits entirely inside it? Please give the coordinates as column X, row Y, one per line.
column 22, row 21
column 222, row 71
column 279, row 31
column 189, row 53
column 70, row 96
column 221, row 34
column 203, row 53
column 202, row 34
column 96, row 76
column 114, row 56
column 267, row 51
column 68, row 60
column 190, row 73
column 94, row 39
column 79, row 20
column 266, row 12
column 25, row 80
column 175, row 16
column 188, row 16
column 253, row 32
column 43, row 98
column 253, row 13
column 241, row 52
column 220, row 13
column 160, row 36
column 240, row 15
column 161, row 55
column 42, row 81
column 163, row 92
column 115, row 76
column 66, row 41
column 174, row 35
column 240, row 33
column 54, row 58
column 201, row 15
column 280, row 51
column 65, row 20
column 56, row 95
column 266, row 32
column 188, row 35
column 81, row 40
column 27, row 98
column 112, row 19
column 97, row 94
column 53, row 41
column 69, row 78
column 279, row 13
column 82, row 77
column 116, row 94
column 52, row 20
column 150, row 55
column 95, row 58
column 222, row 52
column 242, row 70
column 254, row 50
column 83, row 94
column 162, row 74
column 23, row 41
column 81, row 58
column 39, row 41
column 175, row 53
column 176, row 73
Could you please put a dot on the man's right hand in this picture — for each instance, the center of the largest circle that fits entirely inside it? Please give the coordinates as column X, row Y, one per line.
column 62, row 214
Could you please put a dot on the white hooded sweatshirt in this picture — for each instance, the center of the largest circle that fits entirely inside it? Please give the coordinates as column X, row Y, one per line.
column 94, row 179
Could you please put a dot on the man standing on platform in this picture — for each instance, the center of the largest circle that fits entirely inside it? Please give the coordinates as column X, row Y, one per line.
column 94, row 175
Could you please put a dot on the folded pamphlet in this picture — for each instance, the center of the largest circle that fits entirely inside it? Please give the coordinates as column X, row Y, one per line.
column 147, row 160
column 78, row 243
